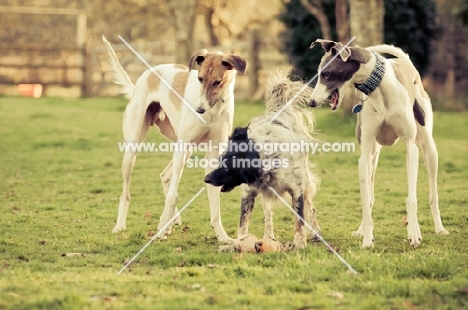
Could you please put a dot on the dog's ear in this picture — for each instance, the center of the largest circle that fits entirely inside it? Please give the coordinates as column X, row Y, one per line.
column 345, row 52
column 198, row 58
column 250, row 175
column 334, row 47
column 240, row 133
column 326, row 44
column 360, row 55
column 235, row 62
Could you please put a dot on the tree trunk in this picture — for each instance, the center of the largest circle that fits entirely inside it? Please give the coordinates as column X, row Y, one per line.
column 315, row 8
column 342, row 23
column 184, row 13
column 208, row 14
column 367, row 21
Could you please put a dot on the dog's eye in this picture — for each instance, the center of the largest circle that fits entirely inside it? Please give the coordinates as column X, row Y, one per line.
column 216, row 83
column 325, row 75
column 200, row 79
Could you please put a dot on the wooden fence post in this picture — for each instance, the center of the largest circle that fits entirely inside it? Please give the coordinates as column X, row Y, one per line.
column 253, row 65
column 82, row 43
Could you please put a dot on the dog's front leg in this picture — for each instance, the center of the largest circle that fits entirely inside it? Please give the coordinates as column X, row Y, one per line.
column 367, row 224
column 214, row 201
column 373, row 159
column 247, row 205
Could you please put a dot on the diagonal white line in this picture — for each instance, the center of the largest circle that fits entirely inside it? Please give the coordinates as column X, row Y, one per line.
column 314, row 231
column 161, row 79
column 161, row 230
column 310, row 81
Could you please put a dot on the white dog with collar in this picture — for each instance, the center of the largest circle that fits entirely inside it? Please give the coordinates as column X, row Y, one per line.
column 397, row 107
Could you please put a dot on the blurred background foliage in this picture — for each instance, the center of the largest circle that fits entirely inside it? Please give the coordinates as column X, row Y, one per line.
column 433, row 32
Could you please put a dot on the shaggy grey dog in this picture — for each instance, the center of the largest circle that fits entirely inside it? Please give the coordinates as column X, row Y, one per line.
column 271, row 152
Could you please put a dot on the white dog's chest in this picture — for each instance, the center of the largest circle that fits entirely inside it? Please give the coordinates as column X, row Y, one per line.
column 387, row 135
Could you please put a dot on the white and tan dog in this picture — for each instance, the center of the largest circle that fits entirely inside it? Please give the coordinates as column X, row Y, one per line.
column 208, row 91
column 397, row 107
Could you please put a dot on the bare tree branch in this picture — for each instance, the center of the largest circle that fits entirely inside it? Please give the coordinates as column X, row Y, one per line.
column 315, row 8
column 184, row 13
column 342, row 23
column 208, row 7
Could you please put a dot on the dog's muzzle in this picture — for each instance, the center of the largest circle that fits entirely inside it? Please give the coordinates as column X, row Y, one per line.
column 201, row 110
column 313, row 103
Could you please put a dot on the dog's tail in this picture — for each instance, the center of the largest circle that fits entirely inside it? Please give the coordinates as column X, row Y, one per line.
column 280, row 91
column 390, row 50
column 120, row 75
column 284, row 96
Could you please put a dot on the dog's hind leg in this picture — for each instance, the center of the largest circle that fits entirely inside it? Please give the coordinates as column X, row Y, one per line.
column 268, row 232
column 311, row 219
column 135, row 128
column 178, row 160
column 309, row 190
column 165, row 177
column 429, row 150
column 300, row 237
column 412, row 159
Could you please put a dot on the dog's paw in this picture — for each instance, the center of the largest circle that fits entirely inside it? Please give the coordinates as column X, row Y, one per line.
column 288, row 247
column 415, row 241
column 315, row 238
column 314, row 235
column 226, row 239
column 178, row 219
column 165, row 233
column 357, row 233
column 414, row 235
column 291, row 246
column 119, row 228
column 231, row 248
column 441, row 231
column 368, row 243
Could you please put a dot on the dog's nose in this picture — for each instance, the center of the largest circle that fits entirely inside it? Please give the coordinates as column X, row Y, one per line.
column 312, row 103
column 201, row 110
column 208, row 179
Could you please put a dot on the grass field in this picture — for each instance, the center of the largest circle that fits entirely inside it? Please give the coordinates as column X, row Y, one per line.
column 60, row 181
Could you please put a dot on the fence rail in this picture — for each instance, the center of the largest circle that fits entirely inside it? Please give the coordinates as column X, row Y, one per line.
column 42, row 65
column 52, row 62
column 261, row 57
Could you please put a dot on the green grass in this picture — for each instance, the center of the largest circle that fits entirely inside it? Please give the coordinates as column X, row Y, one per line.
column 60, row 181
